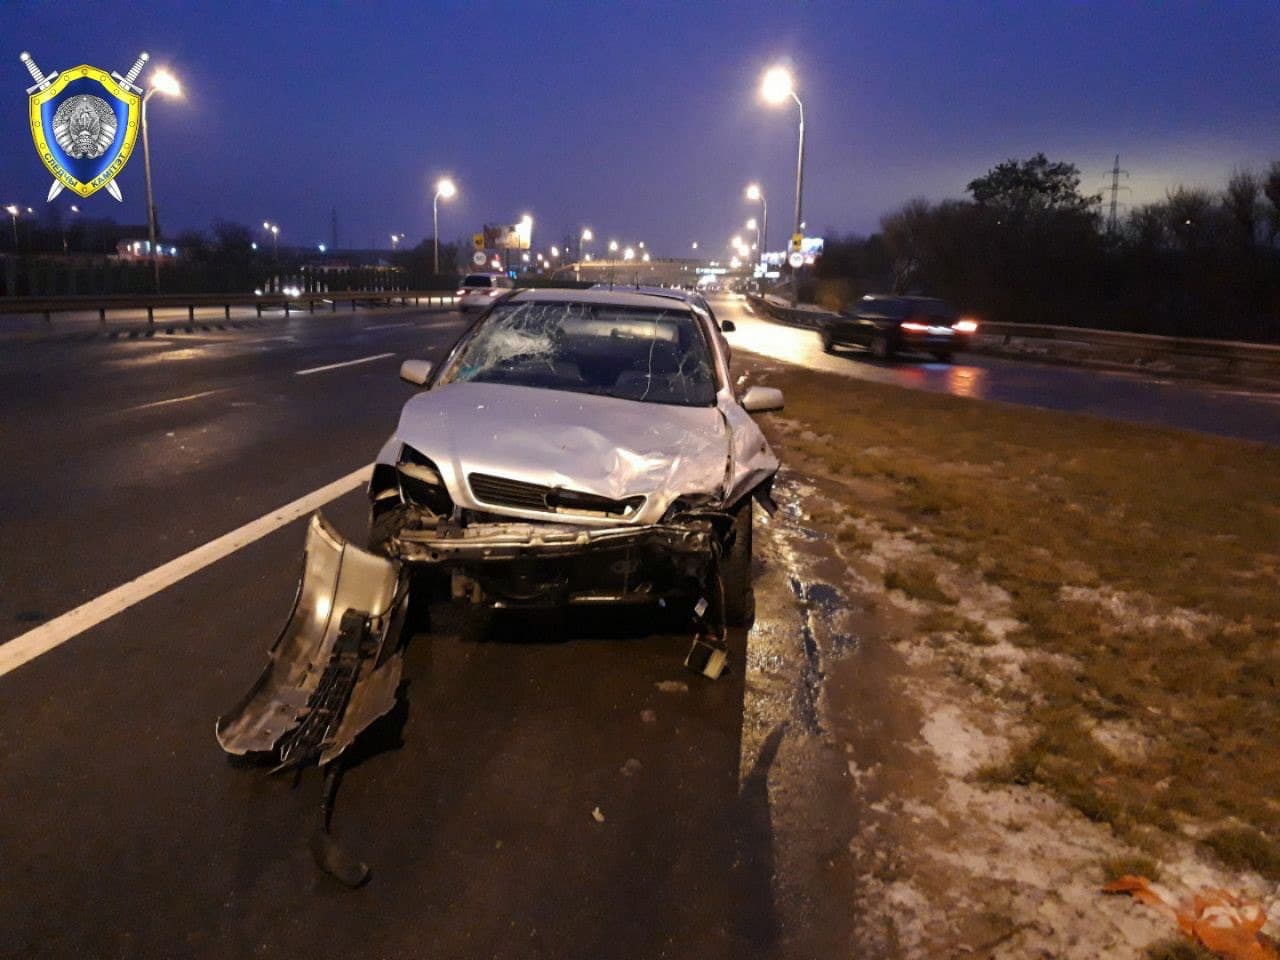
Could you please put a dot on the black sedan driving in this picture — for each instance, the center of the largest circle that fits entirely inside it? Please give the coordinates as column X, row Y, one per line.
column 889, row 325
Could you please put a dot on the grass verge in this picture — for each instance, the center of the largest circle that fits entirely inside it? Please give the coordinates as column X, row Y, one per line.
column 1147, row 560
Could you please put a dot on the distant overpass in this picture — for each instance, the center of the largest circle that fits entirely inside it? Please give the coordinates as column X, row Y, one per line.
column 671, row 273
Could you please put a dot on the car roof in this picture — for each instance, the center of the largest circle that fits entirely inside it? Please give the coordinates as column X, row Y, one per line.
column 671, row 293
column 626, row 297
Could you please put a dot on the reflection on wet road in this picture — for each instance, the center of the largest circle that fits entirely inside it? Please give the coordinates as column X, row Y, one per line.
column 1135, row 397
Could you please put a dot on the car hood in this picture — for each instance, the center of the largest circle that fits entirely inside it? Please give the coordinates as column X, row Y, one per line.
column 601, row 445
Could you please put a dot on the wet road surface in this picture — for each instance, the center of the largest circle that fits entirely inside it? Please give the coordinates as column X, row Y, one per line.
column 125, row 833
column 1139, row 398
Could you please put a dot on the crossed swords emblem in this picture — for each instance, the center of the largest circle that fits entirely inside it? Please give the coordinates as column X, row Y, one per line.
column 126, row 83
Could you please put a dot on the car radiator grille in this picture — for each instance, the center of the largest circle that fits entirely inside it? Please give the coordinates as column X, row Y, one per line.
column 501, row 491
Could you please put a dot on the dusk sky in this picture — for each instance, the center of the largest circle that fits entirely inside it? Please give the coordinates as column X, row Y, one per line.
column 642, row 120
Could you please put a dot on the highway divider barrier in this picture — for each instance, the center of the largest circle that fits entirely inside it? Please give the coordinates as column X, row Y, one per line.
column 49, row 307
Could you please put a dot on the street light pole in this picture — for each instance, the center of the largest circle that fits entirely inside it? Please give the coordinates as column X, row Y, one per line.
column 162, row 81
column 446, row 189
column 755, row 192
column 776, row 87
column 151, row 207
column 12, row 210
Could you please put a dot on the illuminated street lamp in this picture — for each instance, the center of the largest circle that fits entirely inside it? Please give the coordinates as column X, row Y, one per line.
column 641, row 244
column 162, row 81
column 736, row 241
column 694, row 245
column 13, row 212
column 395, row 241
column 776, row 86
column 274, row 230
column 613, row 246
column 555, row 252
column 444, row 188
column 585, row 237
column 755, row 193
column 628, row 254
column 645, row 258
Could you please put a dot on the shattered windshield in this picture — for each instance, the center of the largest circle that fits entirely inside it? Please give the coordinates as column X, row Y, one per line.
column 654, row 356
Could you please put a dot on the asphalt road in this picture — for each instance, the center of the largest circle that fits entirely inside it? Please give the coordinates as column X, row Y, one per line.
column 1136, row 397
column 125, row 833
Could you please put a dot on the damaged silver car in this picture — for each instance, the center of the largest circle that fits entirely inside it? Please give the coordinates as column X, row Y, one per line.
column 580, row 447
column 575, row 448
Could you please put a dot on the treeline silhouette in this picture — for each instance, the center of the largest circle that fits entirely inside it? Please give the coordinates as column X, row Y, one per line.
column 59, row 254
column 1027, row 246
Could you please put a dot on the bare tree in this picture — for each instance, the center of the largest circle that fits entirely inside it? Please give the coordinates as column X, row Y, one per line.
column 1242, row 196
column 1271, row 187
column 904, row 233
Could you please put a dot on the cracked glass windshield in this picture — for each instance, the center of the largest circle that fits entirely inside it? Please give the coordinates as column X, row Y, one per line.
column 653, row 356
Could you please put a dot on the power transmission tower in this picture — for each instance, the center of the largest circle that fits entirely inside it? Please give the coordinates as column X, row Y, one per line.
column 1116, row 187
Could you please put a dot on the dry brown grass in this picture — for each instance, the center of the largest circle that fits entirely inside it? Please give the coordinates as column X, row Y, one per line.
column 1037, row 501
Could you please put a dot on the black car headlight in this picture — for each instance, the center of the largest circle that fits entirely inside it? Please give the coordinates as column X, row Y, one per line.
column 421, row 484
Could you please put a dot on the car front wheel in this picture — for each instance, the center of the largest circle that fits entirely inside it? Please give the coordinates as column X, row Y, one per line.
column 881, row 349
column 735, row 572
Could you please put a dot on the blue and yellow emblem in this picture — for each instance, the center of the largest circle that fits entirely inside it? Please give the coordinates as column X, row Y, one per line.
column 84, row 122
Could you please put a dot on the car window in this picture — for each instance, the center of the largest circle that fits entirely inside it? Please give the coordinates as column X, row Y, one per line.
column 648, row 355
column 478, row 280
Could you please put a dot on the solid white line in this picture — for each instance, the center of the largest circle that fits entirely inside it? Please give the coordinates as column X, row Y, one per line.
column 26, row 647
column 347, row 363
column 387, row 326
column 162, row 403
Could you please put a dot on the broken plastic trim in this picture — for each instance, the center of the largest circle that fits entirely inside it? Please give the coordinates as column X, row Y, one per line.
column 336, row 665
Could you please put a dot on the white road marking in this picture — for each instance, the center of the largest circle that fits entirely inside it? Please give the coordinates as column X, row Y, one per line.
column 163, row 403
column 346, row 363
column 387, row 326
column 26, row 647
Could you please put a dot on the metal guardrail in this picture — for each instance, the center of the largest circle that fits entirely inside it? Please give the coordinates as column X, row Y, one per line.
column 1231, row 350
column 48, row 306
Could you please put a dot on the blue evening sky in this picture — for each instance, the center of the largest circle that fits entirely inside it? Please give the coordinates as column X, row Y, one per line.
column 641, row 119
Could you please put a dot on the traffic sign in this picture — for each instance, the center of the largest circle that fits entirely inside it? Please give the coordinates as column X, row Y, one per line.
column 477, row 241
column 797, row 241
column 478, row 258
column 796, row 260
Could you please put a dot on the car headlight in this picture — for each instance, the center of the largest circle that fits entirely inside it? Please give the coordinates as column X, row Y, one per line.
column 421, row 483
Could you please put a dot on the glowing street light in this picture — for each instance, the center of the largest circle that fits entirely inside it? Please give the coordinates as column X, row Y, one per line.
column 13, row 212
column 755, row 193
column 321, row 247
column 645, row 258
column 274, row 230
column 613, row 246
column 555, row 252
column 395, row 241
column 444, row 188
column 736, row 241
column 162, row 81
column 628, row 254
column 776, row 86
column 694, row 245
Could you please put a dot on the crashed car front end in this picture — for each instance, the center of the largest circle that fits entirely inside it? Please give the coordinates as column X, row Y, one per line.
column 544, row 545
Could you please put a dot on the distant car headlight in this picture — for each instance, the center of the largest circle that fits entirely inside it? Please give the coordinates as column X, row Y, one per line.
column 965, row 325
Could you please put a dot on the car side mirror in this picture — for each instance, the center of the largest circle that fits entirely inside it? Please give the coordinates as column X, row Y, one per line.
column 415, row 371
column 762, row 399
column 727, row 326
